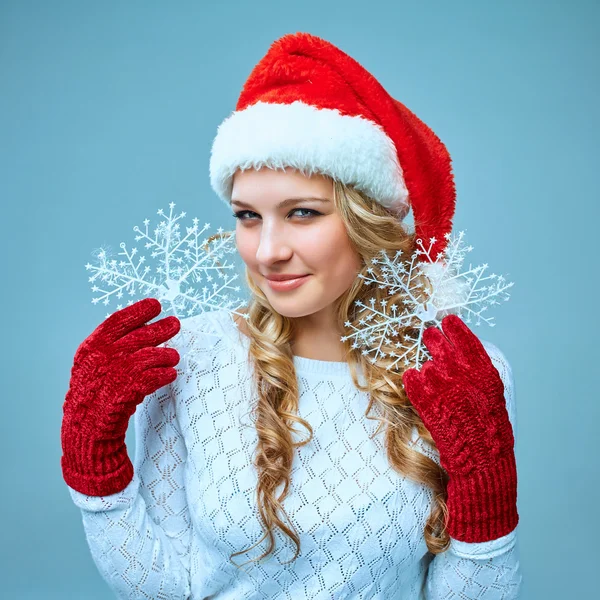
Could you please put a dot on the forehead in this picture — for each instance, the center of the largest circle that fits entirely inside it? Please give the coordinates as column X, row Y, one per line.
column 269, row 184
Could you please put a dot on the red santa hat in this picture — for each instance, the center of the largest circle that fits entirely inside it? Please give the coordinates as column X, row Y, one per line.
column 310, row 106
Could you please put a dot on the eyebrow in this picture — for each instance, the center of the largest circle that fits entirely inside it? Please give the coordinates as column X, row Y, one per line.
column 287, row 201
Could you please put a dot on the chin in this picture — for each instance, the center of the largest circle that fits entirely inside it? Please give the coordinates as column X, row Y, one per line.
column 295, row 309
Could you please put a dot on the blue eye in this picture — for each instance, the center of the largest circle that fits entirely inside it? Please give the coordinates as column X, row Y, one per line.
column 239, row 214
column 308, row 210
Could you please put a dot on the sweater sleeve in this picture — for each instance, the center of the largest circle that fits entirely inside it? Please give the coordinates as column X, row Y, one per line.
column 139, row 538
column 483, row 570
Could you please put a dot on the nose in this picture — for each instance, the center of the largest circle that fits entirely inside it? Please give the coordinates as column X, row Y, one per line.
column 273, row 245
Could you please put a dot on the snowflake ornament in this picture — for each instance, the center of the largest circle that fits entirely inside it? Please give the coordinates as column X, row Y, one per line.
column 428, row 291
column 190, row 274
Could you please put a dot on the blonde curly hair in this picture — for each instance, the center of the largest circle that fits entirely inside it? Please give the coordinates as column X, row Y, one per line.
column 371, row 228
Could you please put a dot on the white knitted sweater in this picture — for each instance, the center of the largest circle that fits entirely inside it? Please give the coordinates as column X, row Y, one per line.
column 169, row 534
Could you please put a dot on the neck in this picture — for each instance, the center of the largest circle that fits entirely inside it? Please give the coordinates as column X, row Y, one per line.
column 311, row 339
column 314, row 340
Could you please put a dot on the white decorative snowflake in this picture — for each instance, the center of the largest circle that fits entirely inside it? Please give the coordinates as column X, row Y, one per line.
column 453, row 289
column 191, row 274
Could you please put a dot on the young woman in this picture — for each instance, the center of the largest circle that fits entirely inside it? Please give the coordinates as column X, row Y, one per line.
column 275, row 440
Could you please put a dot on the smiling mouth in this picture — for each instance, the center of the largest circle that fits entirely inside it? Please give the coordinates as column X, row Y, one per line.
column 287, row 284
column 284, row 277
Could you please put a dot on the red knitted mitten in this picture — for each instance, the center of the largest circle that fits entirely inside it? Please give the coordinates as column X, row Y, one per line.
column 113, row 370
column 459, row 396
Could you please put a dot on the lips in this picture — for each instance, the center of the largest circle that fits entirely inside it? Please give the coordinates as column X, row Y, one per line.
column 283, row 277
column 287, row 284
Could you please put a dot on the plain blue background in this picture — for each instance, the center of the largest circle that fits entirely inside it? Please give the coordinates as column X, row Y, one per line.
column 107, row 113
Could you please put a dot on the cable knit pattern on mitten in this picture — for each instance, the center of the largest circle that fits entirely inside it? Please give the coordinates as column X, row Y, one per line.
column 459, row 395
column 113, row 370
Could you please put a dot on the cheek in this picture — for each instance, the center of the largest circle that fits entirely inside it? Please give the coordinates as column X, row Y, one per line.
column 246, row 248
column 344, row 265
column 335, row 255
column 334, row 243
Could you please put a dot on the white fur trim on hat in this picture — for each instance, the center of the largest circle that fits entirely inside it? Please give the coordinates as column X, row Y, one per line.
column 351, row 149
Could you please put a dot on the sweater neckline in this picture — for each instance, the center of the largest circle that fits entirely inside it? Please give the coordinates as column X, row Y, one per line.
column 303, row 365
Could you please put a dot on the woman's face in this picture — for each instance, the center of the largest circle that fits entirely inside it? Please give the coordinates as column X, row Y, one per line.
column 305, row 236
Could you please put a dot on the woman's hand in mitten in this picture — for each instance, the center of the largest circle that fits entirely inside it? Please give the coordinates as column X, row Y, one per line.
column 113, row 370
column 459, row 396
